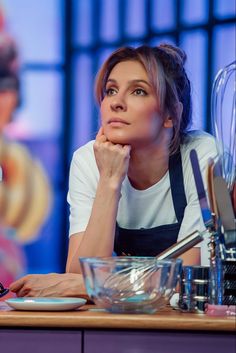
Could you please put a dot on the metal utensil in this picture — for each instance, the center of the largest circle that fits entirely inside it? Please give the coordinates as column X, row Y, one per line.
column 213, row 169
column 224, row 121
column 121, row 279
column 233, row 196
column 182, row 246
column 226, row 212
column 211, row 193
column 224, row 203
column 208, row 218
column 205, row 210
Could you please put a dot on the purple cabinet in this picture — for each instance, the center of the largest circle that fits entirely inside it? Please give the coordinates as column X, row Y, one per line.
column 40, row 341
column 18, row 340
column 158, row 342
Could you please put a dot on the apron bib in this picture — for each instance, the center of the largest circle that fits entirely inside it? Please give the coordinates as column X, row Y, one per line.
column 152, row 241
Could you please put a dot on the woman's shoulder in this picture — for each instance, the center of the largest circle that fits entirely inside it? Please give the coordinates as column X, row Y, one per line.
column 83, row 162
column 198, row 140
column 85, row 151
column 205, row 146
column 203, row 143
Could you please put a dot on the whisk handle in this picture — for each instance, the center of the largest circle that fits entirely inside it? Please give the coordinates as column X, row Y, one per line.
column 183, row 245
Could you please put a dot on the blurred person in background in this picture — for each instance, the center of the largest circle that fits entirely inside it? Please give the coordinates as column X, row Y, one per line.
column 25, row 193
column 131, row 190
column 12, row 258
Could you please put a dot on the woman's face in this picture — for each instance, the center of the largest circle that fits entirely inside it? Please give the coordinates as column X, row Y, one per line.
column 130, row 111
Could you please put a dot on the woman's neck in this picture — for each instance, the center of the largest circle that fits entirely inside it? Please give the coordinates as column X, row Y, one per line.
column 147, row 166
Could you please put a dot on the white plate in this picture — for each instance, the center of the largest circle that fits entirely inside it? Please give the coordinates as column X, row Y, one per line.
column 45, row 304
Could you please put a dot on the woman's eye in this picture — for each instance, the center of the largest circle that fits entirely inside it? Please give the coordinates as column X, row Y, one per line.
column 110, row 91
column 140, row 92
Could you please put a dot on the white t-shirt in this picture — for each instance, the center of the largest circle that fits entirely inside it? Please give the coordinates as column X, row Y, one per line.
column 142, row 208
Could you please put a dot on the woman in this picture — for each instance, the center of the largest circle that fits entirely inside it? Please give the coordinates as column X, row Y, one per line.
column 132, row 190
column 128, row 191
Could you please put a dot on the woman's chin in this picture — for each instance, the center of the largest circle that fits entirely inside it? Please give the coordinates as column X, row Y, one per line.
column 119, row 141
column 117, row 138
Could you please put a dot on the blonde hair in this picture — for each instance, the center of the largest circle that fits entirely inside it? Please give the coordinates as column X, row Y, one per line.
column 164, row 65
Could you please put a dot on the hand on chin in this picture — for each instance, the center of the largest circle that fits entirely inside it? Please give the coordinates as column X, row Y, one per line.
column 117, row 137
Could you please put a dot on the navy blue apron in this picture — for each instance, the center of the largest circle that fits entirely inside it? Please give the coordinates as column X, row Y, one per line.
column 151, row 242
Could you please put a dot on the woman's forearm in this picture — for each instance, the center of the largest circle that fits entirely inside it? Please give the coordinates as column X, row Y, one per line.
column 98, row 238
column 49, row 285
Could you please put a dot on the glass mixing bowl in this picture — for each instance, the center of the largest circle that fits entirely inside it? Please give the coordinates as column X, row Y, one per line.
column 130, row 284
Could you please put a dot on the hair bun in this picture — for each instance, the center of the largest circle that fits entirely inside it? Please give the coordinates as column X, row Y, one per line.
column 179, row 54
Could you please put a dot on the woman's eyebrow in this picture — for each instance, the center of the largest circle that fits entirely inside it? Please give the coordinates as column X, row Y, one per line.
column 111, row 80
column 130, row 81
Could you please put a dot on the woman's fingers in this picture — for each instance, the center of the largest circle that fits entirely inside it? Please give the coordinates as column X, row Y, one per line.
column 127, row 148
column 112, row 159
column 23, row 293
column 100, row 132
column 17, row 285
column 100, row 136
column 27, row 285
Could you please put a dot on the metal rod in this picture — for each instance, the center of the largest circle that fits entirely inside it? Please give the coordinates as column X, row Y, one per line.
column 183, row 245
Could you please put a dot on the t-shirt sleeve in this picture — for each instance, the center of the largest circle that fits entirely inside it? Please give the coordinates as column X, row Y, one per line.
column 82, row 189
column 206, row 148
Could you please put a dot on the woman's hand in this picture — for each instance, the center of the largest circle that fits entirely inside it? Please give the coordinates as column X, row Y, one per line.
column 49, row 285
column 98, row 237
column 112, row 159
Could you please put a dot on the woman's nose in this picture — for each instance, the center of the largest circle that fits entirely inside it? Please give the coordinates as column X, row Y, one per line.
column 118, row 104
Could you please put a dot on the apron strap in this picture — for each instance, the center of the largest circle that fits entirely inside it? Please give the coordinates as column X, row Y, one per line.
column 177, row 185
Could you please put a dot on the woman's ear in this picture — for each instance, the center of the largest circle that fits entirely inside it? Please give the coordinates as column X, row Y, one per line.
column 168, row 123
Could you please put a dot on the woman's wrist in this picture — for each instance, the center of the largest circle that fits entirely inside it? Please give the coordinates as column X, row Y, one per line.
column 74, row 285
column 110, row 184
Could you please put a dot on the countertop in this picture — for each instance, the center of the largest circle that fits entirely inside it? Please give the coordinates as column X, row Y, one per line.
column 89, row 316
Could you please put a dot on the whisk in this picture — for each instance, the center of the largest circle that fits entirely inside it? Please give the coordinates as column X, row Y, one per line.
column 137, row 276
column 141, row 271
column 223, row 117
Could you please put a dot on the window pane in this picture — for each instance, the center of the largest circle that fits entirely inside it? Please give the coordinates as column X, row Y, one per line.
column 36, row 26
column 109, row 20
column 82, row 20
column 83, row 101
column 162, row 39
column 194, row 44
column 135, row 24
column 48, row 242
column 163, row 14
column 40, row 113
column 195, row 11
column 134, row 43
column 224, row 9
column 224, row 38
column 224, row 54
column 103, row 54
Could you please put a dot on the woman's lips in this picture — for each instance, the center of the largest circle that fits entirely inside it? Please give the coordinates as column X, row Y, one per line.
column 117, row 121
